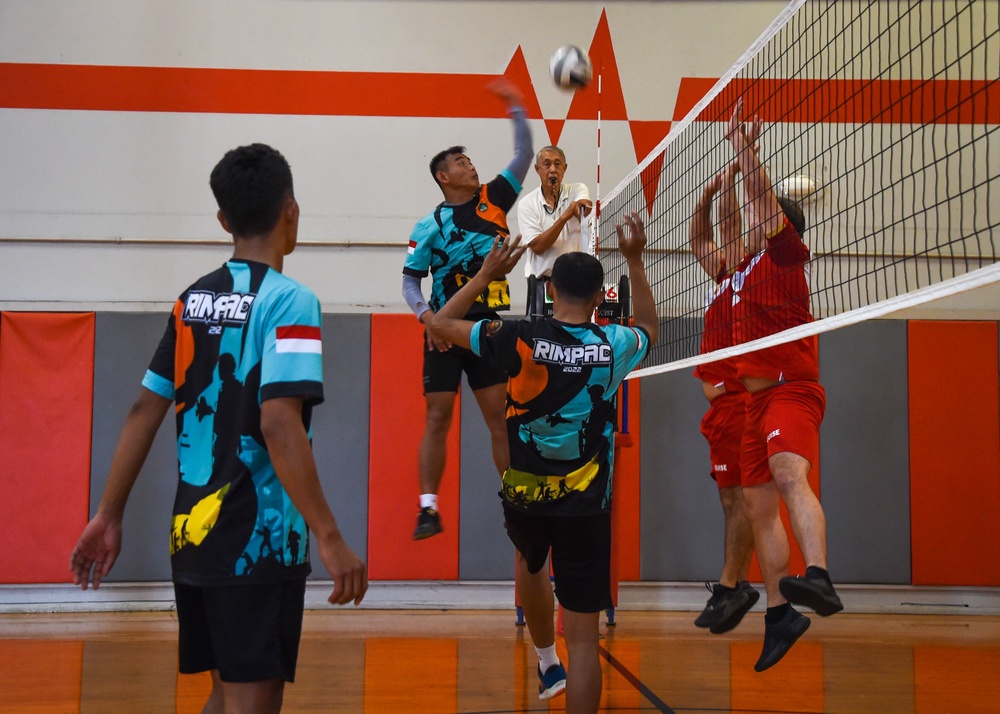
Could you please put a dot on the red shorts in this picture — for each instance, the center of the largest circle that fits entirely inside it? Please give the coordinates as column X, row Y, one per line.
column 723, row 426
column 785, row 417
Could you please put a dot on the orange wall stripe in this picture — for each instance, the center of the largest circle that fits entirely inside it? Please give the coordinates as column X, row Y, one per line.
column 252, row 91
column 844, row 101
column 397, row 425
column 954, row 453
column 46, row 403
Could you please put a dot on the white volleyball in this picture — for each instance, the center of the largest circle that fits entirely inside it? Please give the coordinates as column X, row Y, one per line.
column 570, row 68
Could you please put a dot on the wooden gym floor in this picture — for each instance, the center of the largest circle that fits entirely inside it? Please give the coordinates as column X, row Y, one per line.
column 372, row 661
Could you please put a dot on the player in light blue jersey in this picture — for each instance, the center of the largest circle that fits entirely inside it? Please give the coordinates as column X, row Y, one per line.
column 241, row 360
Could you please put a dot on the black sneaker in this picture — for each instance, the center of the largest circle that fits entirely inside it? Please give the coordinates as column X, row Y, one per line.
column 713, row 608
column 744, row 597
column 779, row 638
column 428, row 524
column 813, row 592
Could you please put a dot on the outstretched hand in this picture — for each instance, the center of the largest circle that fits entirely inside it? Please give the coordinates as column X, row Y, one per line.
column 96, row 551
column 734, row 121
column 506, row 91
column 502, row 258
column 631, row 246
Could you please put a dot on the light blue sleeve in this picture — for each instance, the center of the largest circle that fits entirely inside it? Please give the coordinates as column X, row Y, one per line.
column 474, row 339
column 630, row 345
column 292, row 355
column 158, row 385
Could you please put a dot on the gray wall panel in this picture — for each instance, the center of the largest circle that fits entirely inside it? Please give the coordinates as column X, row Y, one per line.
column 864, row 452
column 340, row 429
column 681, row 518
column 123, row 346
column 484, row 551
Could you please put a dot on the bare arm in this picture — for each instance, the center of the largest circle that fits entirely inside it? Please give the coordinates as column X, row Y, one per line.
column 730, row 218
column 448, row 323
column 702, row 237
column 101, row 540
column 631, row 247
column 766, row 214
column 292, row 456
column 544, row 240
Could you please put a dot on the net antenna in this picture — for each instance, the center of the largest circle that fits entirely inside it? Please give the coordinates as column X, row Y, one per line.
column 881, row 121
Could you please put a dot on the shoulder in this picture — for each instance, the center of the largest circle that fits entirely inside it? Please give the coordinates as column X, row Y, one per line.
column 577, row 191
column 506, row 180
column 530, row 200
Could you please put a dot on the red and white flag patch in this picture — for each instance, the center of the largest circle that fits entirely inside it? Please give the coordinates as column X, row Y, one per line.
column 411, row 247
column 299, row 338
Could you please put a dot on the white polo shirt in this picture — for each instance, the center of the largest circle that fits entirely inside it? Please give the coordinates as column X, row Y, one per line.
column 533, row 218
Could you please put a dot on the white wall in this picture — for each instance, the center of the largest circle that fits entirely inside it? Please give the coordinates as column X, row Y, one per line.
column 144, row 175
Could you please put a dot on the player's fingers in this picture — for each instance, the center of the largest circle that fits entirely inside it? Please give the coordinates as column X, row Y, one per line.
column 364, row 586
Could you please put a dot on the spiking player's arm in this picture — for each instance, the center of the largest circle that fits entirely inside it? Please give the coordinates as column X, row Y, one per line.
column 448, row 322
column 523, row 151
column 631, row 247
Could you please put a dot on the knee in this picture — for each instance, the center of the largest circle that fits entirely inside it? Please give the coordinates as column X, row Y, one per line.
column 439, row 418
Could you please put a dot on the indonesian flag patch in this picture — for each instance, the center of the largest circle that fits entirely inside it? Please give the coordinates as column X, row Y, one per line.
column 299, row 338
column 411, row 247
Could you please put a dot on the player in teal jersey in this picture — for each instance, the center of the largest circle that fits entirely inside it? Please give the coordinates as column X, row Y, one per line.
column 450, row 244
column 241, row 359
column 564, row 373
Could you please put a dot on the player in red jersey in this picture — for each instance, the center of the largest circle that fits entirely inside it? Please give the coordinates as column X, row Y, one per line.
column 785, row 407
column 723, row 423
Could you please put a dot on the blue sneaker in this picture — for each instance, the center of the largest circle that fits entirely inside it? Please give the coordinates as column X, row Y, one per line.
column 551, row 683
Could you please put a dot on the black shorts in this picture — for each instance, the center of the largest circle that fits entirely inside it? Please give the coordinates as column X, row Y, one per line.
column 248, row 632
column 581, row 554
column 443, row 370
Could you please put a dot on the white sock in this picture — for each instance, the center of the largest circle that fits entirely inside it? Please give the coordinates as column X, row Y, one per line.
column 429, row 500
column 547, row 657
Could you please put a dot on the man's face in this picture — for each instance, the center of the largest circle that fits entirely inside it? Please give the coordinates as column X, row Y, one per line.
column 460, row 173
column 550, row 168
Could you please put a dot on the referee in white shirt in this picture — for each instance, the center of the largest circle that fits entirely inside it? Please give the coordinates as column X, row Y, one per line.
column 553, row 219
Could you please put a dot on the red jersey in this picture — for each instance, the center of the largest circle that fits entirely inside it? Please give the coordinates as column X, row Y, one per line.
column 770, row 294
column 718, row 333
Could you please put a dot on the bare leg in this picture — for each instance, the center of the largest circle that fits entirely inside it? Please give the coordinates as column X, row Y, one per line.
column 583, row 677
column 214, row 705
column 791, row 476
column 761, row 504
column 440, row 407
column 263, row 697
column 739, row 537
column 492, row 403
column 537, row 603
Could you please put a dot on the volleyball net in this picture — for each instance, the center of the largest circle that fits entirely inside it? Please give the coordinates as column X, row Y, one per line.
column 881, row 120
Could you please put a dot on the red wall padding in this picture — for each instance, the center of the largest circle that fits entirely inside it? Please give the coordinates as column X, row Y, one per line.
column 46, row 403
column 954, row 453
column 397, row 425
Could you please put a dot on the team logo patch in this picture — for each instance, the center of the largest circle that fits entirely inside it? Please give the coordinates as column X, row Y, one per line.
column 571, row 355
column 483, row 207
column 493, row 327
column 411, row 248
column 218, row 308
column 298, row 338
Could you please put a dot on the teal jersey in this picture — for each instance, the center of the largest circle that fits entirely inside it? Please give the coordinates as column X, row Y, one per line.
column 239, row 336
column 452, row 241
column 561, row 408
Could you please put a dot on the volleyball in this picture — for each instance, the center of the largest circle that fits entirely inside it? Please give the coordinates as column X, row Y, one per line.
column 570, row 68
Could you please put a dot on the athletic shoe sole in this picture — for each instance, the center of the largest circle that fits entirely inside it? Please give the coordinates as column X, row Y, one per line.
column 824, row 602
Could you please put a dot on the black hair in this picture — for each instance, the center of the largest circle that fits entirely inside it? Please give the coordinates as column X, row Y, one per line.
column 437, row 163
column 793, row 212
column 251, row 184
column 578, row 276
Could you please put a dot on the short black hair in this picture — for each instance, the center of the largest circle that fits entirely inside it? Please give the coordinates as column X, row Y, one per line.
column 578, row 276
column 251, row 184
column 437, row 163
column 793, row 212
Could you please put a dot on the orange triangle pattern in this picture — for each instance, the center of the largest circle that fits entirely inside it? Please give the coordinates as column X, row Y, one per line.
column 610, row 100
column 645, row 136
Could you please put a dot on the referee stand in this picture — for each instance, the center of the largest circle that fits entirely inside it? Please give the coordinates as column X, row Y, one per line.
column 616, row 309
